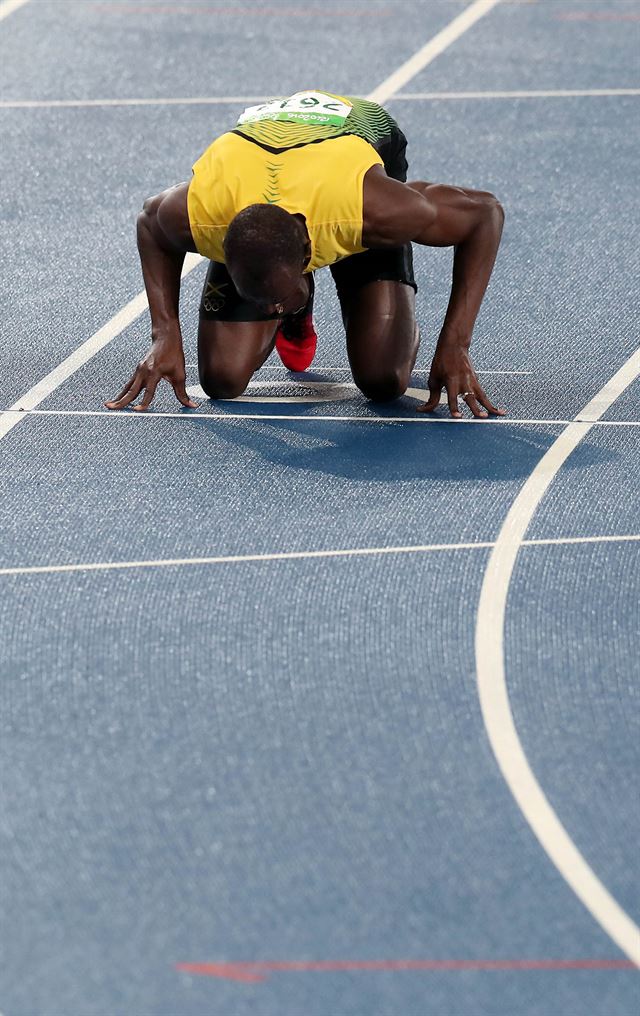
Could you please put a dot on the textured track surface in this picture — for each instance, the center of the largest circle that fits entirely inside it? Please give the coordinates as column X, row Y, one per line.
column 284, row 760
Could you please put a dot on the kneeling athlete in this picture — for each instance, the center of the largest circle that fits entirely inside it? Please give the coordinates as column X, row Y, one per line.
column 316, row 179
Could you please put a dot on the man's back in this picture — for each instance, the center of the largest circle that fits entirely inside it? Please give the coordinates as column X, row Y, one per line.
column 322, row 182
column 309, row 154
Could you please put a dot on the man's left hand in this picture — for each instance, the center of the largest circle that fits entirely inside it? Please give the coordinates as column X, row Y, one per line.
column 451, row 369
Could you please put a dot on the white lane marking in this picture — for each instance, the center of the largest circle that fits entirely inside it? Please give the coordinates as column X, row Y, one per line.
column 227, row 100
column 9, row 418
column 479, row 370
column 239, row 558
column 554, row 541
column 223, row 100
column 320, row 369
column 432, row 49
column 560, row 93
column 492, row 684
column 7, row 7
column 135, row 307
column 298, row 555
column 311, row 391
column 190, row 414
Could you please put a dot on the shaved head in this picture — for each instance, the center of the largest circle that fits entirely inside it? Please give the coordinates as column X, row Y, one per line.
column 265, row 251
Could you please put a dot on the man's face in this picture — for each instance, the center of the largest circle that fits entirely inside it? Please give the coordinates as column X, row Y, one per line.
column 280, row 290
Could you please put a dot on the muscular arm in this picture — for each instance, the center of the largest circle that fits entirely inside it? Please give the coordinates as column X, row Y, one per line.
column 441, row 216
column 164, row 237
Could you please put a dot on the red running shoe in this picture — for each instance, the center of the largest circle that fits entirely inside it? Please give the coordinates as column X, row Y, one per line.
column 296, row 338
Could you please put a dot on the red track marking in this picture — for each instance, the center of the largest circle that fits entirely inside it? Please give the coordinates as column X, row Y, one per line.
column 597, row 16
column 260, row 971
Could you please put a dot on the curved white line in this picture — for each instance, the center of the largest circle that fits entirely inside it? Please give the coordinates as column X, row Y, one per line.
column 492, row 686
column 7, row 7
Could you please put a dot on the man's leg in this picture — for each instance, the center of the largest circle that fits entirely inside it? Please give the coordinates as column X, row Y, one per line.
column 234, row 339
column 229, row 354
column 382, row 338
column 377, row 294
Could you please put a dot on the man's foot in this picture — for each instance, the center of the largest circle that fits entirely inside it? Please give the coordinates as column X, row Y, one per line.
column 296, row 338
column 296, row 342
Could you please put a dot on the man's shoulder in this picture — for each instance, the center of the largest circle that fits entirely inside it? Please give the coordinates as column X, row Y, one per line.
column 389, row 210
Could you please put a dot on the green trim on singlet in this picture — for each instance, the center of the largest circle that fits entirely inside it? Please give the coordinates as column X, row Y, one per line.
column 366, row 120
column 272, row 193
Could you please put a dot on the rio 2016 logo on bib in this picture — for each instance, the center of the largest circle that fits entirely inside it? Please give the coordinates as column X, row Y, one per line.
column 317, row 108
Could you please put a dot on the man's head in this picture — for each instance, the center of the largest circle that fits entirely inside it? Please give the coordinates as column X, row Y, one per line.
column 265, row 250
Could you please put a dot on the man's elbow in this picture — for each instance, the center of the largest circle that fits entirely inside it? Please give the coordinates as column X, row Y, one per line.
column 149, row 211
column 150, row 205
column 142, row 225
column 147, row 221
column 493, row 209
column 490, row 217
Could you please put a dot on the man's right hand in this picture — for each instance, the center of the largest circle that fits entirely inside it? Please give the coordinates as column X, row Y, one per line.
column 165, row 360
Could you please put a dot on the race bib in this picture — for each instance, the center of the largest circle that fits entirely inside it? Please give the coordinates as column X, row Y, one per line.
column 303, row 107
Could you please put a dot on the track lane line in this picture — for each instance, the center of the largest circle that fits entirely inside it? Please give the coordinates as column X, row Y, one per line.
column 8, row 419
column 432, row 49
column 192, row 414
column 225, row 100
column 300, row 555
column 492, row 684
column 321, row 369
column 196, row 100
column 424, row 56
column 559, row 93
column 7, row 7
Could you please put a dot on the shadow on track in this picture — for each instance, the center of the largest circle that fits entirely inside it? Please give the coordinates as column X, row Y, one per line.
column 392, row 452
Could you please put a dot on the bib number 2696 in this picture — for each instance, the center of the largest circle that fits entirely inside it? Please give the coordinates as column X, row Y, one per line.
column 317, row 108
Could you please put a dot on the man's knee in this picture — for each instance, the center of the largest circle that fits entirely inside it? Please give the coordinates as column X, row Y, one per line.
column 223, row 384
column 383, row 386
